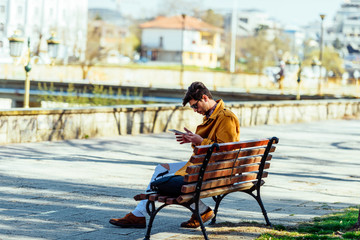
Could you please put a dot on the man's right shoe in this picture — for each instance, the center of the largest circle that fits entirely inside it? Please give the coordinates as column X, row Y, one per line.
column 193, row 222
column 129, row 221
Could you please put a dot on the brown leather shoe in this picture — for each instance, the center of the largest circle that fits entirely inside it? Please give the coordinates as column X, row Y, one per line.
column 194, row 223
column 129, row 221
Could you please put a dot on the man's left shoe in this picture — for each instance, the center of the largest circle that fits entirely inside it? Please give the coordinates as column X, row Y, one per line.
column 194, row 223
column 129, row 221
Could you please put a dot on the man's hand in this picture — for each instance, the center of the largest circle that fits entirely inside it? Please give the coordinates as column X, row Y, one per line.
column 189, row 137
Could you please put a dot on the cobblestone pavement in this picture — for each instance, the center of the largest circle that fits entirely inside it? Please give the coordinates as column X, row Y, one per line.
column 70, row 189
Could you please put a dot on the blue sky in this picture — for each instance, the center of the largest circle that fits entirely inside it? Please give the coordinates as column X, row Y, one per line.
column 296, row 12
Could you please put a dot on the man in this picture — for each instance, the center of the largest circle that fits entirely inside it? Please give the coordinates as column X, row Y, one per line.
column 219, row 125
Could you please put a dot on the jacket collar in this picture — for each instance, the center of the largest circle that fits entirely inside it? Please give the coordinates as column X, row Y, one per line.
column 220, row 105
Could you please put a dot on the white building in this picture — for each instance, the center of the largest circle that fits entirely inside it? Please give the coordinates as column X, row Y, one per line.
column 173, row 39
column 346, row 30
column 37, row 19
column 250, row 20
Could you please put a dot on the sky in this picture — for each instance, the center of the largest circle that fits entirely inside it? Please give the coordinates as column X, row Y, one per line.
column 291, row 12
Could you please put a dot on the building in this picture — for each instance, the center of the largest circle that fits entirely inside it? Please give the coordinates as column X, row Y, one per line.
column 38, row 19
column 181, row 39
column 108, row 40
column 116, row 40
column 345, row 33
column 249, row 21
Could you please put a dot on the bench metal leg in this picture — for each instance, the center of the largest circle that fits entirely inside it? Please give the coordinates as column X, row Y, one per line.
column 152, row 212
column 217, row 200
column 258, row 199
column 197, row 213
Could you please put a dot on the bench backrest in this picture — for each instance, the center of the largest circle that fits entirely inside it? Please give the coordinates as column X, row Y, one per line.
column 228, row 164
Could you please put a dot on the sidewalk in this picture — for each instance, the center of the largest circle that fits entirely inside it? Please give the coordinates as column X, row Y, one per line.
column 70, row 189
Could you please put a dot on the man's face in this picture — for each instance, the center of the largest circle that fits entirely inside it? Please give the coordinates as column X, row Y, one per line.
column 198, row 106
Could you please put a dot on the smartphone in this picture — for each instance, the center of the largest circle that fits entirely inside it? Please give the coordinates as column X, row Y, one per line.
column 176, row 131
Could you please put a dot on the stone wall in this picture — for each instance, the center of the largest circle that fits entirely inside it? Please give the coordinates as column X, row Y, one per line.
column 33, row 125
column 144, row 77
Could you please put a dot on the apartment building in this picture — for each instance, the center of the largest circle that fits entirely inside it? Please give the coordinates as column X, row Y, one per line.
column 38, row 19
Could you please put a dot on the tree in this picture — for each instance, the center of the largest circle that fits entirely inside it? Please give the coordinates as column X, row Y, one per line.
column 213, row 18
column 93, row 50
column 331, row 60
column 262, row 50
column 255, row 51
column 177, row 7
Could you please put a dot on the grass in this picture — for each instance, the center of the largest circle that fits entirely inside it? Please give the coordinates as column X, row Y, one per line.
column 173, row 67
column 334, row 226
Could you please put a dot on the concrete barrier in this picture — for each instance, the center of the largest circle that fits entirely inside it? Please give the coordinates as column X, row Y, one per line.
column 34, row 125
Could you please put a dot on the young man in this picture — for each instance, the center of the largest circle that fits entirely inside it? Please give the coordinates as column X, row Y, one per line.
column 219, row 125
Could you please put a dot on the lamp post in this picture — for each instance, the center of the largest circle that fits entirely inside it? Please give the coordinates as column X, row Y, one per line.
column 16, row 47
column 298, row 81
column 182, row 51
column 356, row 76
column 233, row 36
column 322, row 16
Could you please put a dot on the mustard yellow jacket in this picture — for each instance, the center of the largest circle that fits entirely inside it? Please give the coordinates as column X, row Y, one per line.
column 222, row 126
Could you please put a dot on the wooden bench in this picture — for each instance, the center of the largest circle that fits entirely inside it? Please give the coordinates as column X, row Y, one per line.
column 220, row 169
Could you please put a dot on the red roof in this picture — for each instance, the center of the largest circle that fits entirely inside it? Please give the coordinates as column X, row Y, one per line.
column 176, row 22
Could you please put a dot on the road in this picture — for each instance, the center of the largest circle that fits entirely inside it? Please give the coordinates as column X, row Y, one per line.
column 70, row 189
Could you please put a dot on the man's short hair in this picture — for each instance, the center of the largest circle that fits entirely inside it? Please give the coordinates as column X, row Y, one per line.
column 195, row 91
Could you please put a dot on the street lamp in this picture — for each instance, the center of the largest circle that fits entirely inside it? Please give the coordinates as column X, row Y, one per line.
column 322, row 16
column 53, row 47
column 16, row 47
column 182, row 51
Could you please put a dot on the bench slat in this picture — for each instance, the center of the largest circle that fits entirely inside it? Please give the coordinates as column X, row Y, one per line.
column 226, row 164
column 218, row 191
column 141, row 196
column 230, row 146
column 243, row 153
column 153, row 197
column 225, row 172
column 215, row 156
column 162, row 198
column 171, row 201
column 188, row 188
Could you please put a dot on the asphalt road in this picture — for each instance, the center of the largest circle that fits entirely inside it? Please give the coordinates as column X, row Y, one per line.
column 70, row 189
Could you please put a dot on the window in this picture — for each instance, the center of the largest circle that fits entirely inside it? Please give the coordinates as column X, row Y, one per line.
column 161, row 44
column 20, row 28
column 19, row 10
column 244, row 20
column 2, row 9
column 2, row 27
